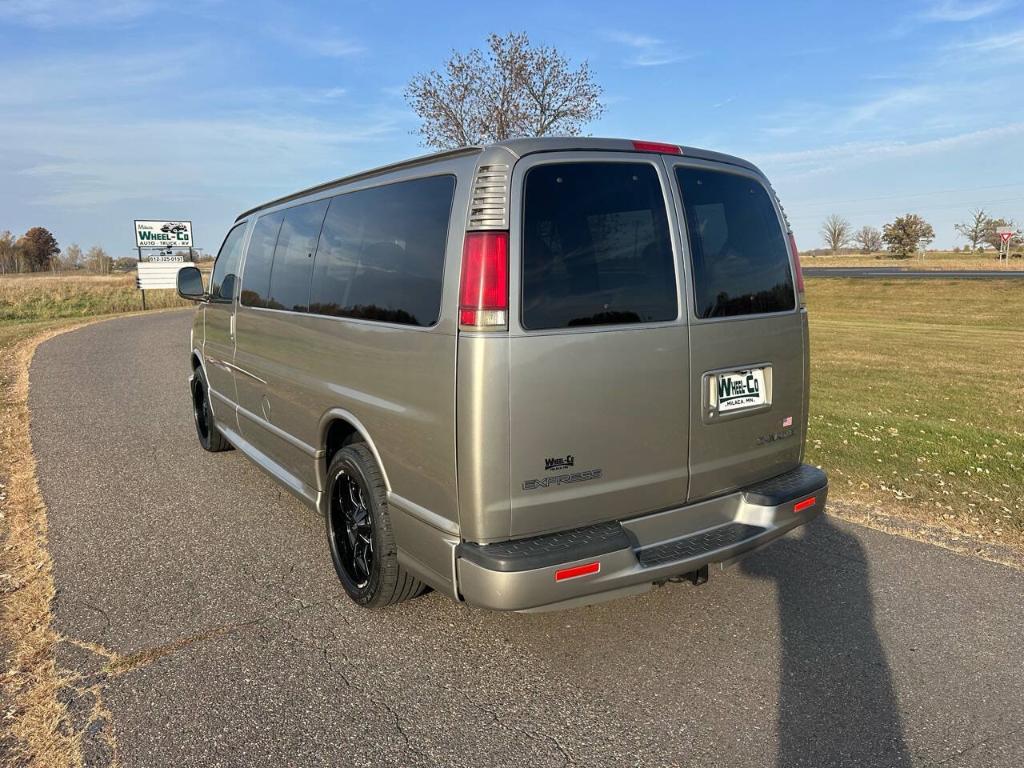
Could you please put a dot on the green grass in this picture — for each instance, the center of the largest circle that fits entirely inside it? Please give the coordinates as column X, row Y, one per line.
column 917, row 403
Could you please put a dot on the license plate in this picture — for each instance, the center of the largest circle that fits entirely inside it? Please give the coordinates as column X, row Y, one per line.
column 738, row 390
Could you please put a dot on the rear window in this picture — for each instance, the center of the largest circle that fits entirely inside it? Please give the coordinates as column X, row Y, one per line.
column 596, row 246
column 740, row 262
column 381, row 253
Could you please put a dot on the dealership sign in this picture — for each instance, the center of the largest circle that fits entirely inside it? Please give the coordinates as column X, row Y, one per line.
column 163, row 234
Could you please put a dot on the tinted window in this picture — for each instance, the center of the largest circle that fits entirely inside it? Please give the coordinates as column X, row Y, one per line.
column 225, row 269
column 259, row 259
column 596, row 247
column 293, row 257
column 381, row 253
column 740, row 262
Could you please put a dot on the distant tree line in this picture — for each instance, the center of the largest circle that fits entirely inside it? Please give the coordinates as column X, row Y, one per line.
column 38, row 251
column 910, row 233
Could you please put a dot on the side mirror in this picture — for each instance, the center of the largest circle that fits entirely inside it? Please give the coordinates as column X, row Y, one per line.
column 190, row 284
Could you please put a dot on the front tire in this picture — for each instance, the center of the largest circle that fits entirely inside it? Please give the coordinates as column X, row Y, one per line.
column 202, row 413
column 359, row 533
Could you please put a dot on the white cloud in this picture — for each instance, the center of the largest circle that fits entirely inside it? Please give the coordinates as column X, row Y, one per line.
column 87, row 78
column 93, row 159
column 899, row 100
column 647, row 51
column 330, row 44
column 944, row 12
column 1000, row 41
column 46, row 14
column 958, row 11
column 828, row 157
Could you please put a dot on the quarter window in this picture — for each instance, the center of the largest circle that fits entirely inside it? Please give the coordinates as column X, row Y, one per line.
column 382, row 251
column 596, row 246
column 740, row 262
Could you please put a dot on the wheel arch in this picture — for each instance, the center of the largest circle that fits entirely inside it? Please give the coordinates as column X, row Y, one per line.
column 337, row 428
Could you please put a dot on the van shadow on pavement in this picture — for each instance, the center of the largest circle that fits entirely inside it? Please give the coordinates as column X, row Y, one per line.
column 837, row 702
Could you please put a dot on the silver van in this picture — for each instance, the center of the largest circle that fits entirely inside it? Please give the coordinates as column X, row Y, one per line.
column 530, row 375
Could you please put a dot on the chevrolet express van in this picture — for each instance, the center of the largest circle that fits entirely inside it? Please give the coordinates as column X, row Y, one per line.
column 530, row 375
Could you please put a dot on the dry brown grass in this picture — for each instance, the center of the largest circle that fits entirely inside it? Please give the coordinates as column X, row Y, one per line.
column 29, row 298
column 34, row 719
column 933, row 260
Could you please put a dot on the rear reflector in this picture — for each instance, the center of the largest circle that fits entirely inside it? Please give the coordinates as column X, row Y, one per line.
column 577, row 570
column 796, row 265
column 800, row 506
column 483, row 289
column 657, row 146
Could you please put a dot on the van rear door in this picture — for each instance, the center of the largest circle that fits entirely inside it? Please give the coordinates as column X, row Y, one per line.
column 598, row 345
column 748, row 337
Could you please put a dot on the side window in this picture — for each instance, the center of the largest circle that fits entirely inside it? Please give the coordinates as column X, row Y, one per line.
column 259, row 259
column 293, row 257
column 225, row 269
column 596, row 246
column 381, row 253
column 740, row 262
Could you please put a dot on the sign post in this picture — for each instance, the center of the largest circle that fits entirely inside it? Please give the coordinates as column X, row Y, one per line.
column 1005, row 236
column 159, row 271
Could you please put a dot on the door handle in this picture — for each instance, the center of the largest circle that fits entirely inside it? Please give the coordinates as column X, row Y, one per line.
column 232, row 327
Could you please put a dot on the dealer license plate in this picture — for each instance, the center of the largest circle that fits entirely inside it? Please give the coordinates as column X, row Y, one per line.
column 739, row 390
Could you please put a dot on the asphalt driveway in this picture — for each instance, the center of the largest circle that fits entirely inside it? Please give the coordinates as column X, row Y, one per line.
column 206, row 627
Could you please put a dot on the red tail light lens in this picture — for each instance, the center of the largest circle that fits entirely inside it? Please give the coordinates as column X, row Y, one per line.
column 657, row 146
column 800, row 506
column 796, row 265
column 483, row 290
column 577, row 571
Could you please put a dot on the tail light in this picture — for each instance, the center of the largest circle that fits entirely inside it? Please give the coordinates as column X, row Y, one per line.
column 800, row 506
column 797, row 269
column 657, row 146
column 579, row 570
column 483, row 289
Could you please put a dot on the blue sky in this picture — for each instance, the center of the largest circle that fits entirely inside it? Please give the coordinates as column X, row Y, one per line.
column 120, row 109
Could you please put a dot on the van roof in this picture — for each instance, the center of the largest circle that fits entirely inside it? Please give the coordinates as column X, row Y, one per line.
column 518, row 147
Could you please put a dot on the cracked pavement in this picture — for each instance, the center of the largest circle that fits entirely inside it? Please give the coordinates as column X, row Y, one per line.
column 203, row 624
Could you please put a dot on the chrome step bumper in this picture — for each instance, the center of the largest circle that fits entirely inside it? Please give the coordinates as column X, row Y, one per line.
column 603, row 560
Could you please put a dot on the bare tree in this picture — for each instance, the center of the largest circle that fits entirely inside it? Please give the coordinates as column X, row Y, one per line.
column 974, row 229
column 8, row 253
column 73, row 257
column 98, row 260
column 836, row 231
column 868, row 238
column 511, row 90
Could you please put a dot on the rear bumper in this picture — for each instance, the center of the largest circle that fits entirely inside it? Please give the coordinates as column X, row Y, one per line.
column 530, row 574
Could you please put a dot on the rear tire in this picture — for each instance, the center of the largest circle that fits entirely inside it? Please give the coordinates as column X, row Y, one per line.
column 359, row 534
column 202, row 413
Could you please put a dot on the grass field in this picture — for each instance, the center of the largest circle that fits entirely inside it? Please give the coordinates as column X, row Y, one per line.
column 917, row 400
column 49, row 297
column 933, row 260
